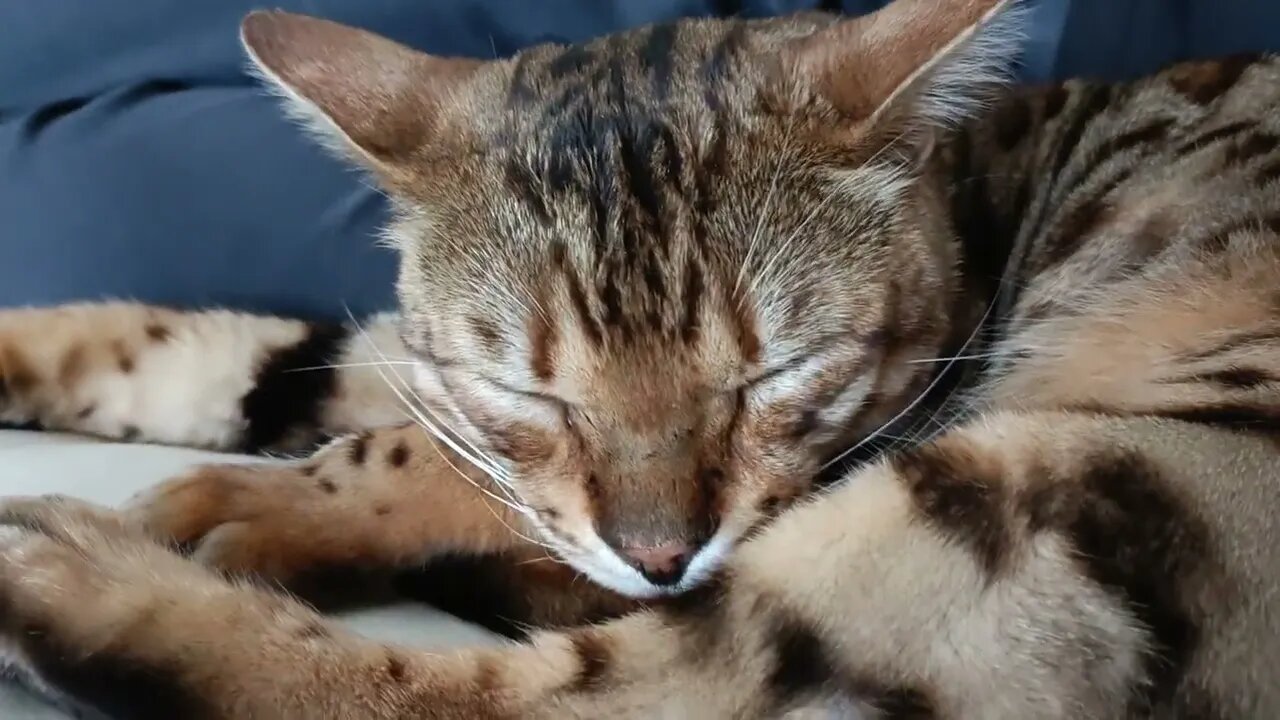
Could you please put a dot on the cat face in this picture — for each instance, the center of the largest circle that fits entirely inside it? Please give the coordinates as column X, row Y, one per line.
column 656, row 280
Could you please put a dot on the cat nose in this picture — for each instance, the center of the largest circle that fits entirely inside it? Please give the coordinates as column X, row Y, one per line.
column 660, row 564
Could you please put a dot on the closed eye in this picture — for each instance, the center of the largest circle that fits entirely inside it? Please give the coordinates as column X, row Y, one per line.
column 531, row 394
column 767, row 375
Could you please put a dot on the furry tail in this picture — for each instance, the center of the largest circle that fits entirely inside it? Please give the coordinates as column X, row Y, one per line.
column 212, row 379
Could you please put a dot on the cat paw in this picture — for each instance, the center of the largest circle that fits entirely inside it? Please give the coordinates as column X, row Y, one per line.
column 67, row 567
column 84, row 596
column 238, row 519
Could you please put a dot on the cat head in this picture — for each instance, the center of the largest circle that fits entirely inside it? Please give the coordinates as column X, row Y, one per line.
column 655, row 280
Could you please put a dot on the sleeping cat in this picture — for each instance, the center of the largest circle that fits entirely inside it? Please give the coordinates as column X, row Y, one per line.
column 652, row 288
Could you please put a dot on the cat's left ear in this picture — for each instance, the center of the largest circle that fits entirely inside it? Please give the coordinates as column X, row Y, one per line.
column 365, row 96
column 911, row 67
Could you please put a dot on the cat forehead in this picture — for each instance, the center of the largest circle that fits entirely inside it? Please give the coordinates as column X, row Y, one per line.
column 677, row 62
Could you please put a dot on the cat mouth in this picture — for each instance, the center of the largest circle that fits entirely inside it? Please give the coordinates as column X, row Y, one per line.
column 605, row 567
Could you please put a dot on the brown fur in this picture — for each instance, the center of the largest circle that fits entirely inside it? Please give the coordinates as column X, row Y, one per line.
column 641, row 276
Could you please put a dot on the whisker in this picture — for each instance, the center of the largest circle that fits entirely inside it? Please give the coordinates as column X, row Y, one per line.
column 982, row 322
column 417, row 405
column 974, row 356
column 512, row 503
column 484, row 465
column 545, row 558
column 764, row 209
column 342, row 366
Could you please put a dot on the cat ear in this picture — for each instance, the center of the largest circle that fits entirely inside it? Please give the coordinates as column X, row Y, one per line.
column 914, row 64
column 360, row 92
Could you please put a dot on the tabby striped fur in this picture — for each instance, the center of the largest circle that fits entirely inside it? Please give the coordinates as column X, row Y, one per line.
column 1066, row 309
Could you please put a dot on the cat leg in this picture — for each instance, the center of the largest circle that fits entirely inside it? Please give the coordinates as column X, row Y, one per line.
column 383, row 499
column 210, row 379
column 365, row 506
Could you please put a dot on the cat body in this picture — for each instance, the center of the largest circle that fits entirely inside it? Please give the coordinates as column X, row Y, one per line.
column 655, row 287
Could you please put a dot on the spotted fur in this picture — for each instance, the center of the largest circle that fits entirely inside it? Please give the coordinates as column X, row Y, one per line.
column 654, row 287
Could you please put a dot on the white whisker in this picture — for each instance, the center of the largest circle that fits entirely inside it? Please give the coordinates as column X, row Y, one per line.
column 512, row 504
column 764, row 209
column 343, row 366
column 483, row 464
column 924, row 393
column 975, row 356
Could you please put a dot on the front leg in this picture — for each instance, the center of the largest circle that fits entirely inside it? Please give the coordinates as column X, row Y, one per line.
column 382, row 499
column 94, row 613
column 387, row 500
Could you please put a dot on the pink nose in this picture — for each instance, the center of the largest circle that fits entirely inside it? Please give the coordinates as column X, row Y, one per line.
column 661, row 564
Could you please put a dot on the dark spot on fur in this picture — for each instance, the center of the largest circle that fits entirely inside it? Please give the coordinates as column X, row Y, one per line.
column 1237, row 377
column 806, row 423
column 894, row 702
column 1268, row 173
column 542, row 343
column 327, row 486
column 1012, row 120
column 291, row 387
column 488, row 675
column 1219, row 239
column 1235, row 417
column 73, row 365
column 577, row 296
column 802, row 665
column 1205, row 81
column 526, row 186
column 693, row 289
column 1250, row 148
column 1140, row 541
column 1055, row 98
column 594, row 660
column 1217, row 134
column 125, row 363
column 488, row 333
column 16, row 376
column 398, row 455
column 382, row 510
column 958, row 492
column 86, row 411
column 129, row 433
column 592, row 484
column 358, row 450
column 309, row 470
column 770, row 505
column 745, row 330
column 396, row 669
column 157, row 332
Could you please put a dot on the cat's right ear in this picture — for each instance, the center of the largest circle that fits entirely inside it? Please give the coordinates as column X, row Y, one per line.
column 365, row 95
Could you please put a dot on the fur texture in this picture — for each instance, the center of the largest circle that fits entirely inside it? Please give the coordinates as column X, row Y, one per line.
column 655, row 289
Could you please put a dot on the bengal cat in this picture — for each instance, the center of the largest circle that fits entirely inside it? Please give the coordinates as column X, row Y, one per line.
column 652, row 286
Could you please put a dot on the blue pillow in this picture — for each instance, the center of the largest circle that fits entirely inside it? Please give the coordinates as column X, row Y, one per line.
column 138, row 160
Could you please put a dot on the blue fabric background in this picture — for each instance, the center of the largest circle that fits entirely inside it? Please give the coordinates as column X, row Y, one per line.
column 137, row 160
